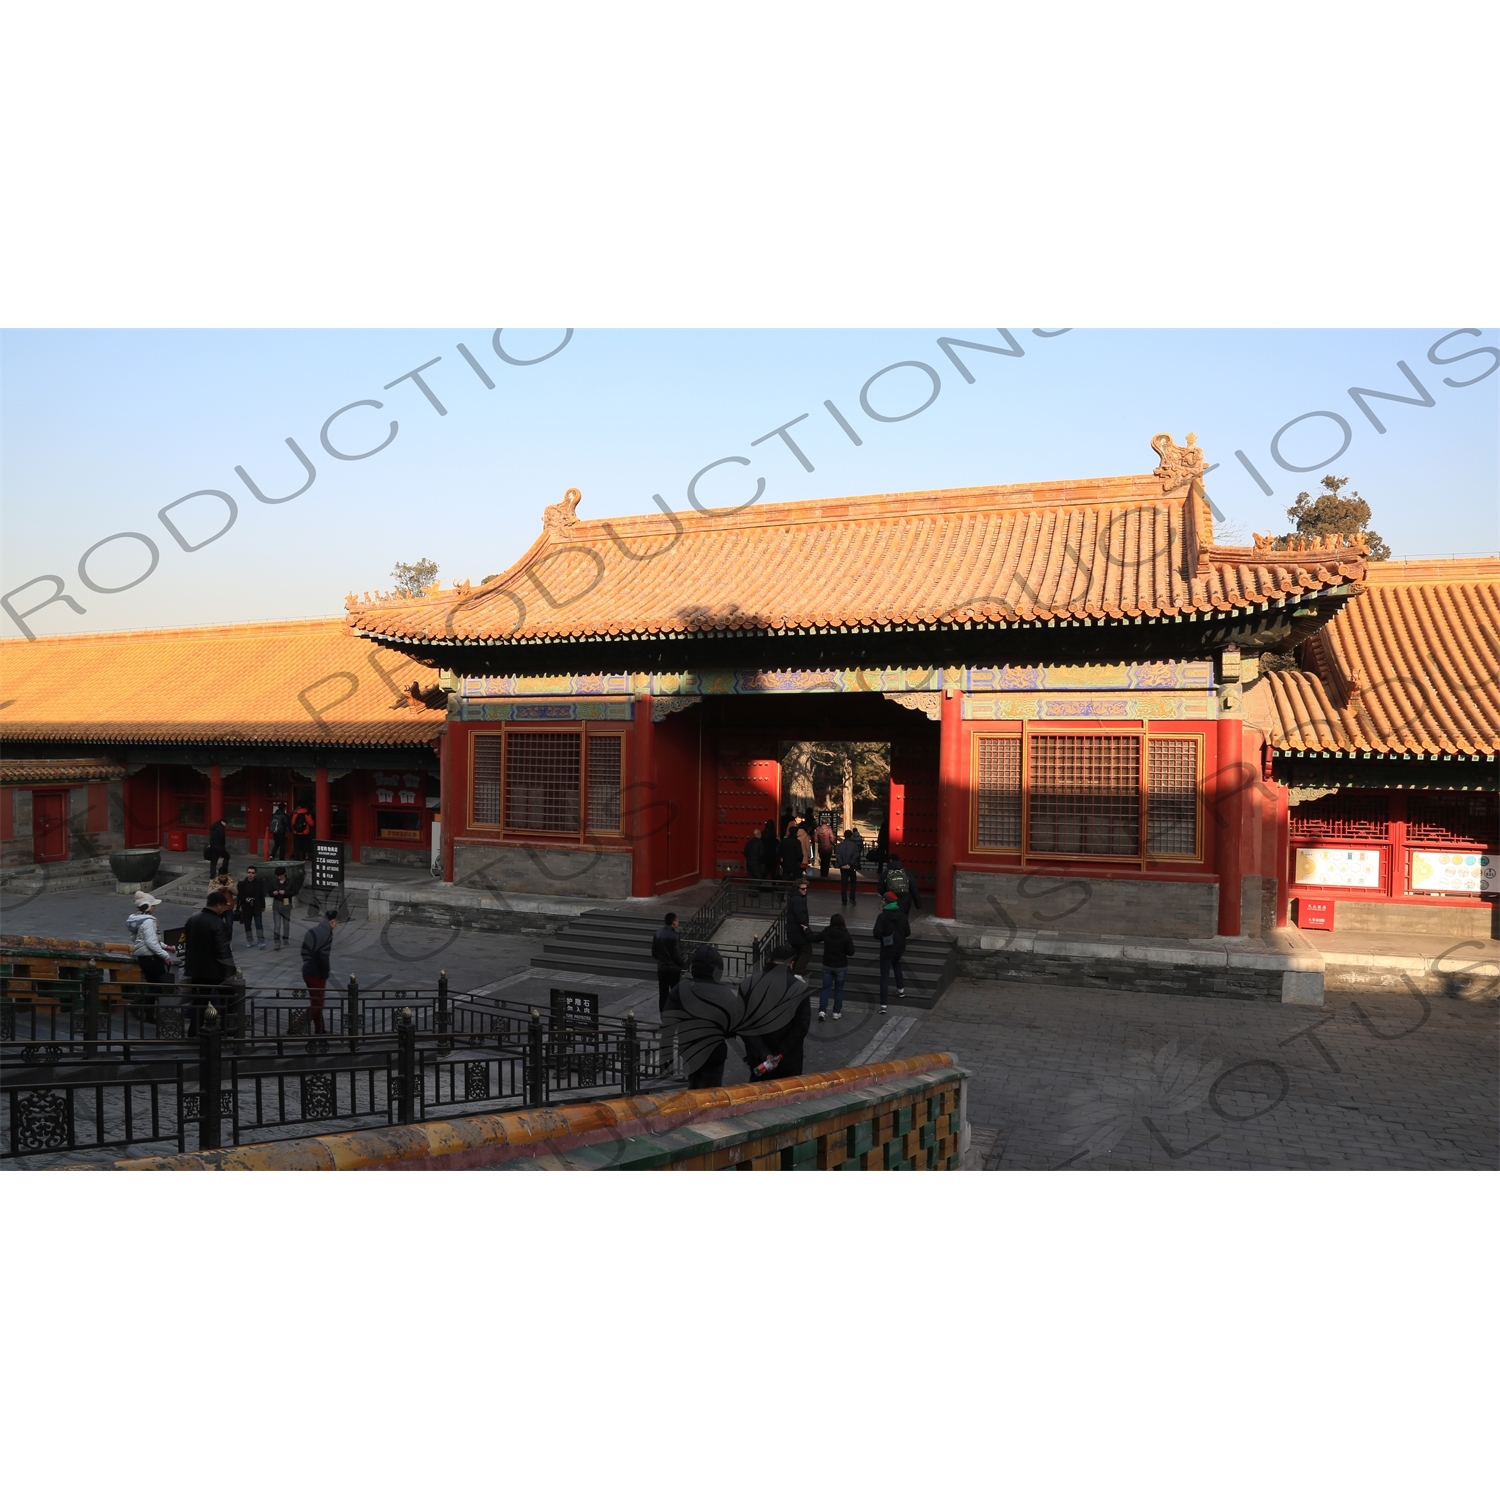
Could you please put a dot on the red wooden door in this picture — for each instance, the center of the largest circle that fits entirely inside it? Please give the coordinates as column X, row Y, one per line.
column 914, row 810
column 749, row 793
column 49, row 826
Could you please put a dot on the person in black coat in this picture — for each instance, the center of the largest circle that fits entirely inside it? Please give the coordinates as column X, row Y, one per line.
column 755, row 858
column 779, row 1053
column 770, row 850
column 849, row 852
column 707, row 987
column 666, row 949
column 791, row 852
column 209, row 959
column 799, row 928
column 891, row 931
column 894, row 876
column 217, row 852
column 252, row 905
column 281, row 825
column 838, row 949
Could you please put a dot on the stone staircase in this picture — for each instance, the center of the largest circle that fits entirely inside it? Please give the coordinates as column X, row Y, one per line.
column 619, row 944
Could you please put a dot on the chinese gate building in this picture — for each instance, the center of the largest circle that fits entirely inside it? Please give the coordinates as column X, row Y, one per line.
column 1059, row 670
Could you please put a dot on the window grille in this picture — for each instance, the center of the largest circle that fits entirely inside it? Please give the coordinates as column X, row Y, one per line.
column 1000, row 793
column 542, row 774
column 1452, row 818
column 1172, row 797
column 604, row 783
column 191, row 813
column 1345, row 815
column 1085, row 794
column 487, row 780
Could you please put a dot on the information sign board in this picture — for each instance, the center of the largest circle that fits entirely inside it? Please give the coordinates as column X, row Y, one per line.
column 1446, row 870
column 1343, row 867
column 328, row 865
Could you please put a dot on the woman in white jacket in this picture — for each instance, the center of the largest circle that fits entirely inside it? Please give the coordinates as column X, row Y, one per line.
column 154, row 960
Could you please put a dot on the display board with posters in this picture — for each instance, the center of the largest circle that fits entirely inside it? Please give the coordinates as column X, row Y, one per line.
column 1445, row 870
column 1356, row 868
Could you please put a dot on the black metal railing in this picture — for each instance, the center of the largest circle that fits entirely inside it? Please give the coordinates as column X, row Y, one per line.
column 738, row 896
column 76, row 1093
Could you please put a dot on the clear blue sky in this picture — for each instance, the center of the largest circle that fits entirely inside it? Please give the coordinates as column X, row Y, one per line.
column 100, row 430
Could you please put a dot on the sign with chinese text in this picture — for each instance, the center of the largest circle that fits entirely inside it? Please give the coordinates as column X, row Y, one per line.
column 1359, row 868
column 1443, row 870
column 328, row 865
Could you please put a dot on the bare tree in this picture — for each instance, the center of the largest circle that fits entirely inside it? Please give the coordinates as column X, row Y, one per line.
column 413, row 580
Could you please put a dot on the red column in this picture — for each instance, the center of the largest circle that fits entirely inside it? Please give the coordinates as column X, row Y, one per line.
column 215, row 795
column 1229, row 803
column 322, row 812
column 953, row 799
column 448, row 797
column 708, row 801
column 1283, row 856
column 642, row 794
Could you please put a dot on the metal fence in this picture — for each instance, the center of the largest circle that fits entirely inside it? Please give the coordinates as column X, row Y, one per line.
column 64, row 1091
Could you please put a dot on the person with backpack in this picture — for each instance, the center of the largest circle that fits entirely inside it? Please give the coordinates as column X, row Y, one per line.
column 251, row 904
column 838, row 949
column 281, row 912
column 281, row 825
column 825, row 841
column 891, row 931
column 896, row 877
column 302, row 833
column 849, row 853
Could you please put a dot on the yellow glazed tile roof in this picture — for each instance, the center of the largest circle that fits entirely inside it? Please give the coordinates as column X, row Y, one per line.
column 1098, row 549
column 1412, row 665
column 302, row 682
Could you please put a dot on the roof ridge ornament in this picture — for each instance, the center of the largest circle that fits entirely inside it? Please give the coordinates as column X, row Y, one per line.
column 560, row 519
column 1178, row 466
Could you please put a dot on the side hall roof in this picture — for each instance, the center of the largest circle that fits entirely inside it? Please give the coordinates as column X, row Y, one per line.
column 297, row 682
column 1135, row 547
column 1410, row 666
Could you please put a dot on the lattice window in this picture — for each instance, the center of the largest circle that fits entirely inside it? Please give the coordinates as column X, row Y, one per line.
column 604, row 782
column 1085, row 794
column 1452, row 818
column 487, row 780
column 1345, row 815
column 542, row 774
column 1172, row 797
column 999, row 793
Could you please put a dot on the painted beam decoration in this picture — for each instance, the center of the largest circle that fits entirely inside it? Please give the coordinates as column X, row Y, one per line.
column 1104, row 706
column 1168, row 675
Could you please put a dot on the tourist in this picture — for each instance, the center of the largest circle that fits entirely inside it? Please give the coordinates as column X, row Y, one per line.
column 777, row 1054
column 705, row 985
column 804, row 838
column 209, row 957
column 302, row 833
column 666, row 949
column 281, row 912
column 229, row 888
column 317, row 964
column 825, row 842
column 216, row 851
column 891, row 931
column 838, row 949
column 792, row 862
column 799, row 927
column 281, row 825
column 152, row 958
column 896, row 877
column 755, row 858
column 251, row 906
column 850, row 852
column 770, row 849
